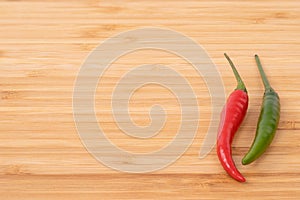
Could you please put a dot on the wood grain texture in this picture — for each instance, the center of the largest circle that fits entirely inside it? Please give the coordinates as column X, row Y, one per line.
column 44, row 43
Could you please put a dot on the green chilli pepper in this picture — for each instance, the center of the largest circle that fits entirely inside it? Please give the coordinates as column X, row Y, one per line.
column 268, row 120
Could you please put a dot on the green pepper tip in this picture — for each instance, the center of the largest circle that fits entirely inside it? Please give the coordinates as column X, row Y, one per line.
column 245, row 162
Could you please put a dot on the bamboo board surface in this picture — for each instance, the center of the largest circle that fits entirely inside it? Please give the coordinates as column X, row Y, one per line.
column 44, row 43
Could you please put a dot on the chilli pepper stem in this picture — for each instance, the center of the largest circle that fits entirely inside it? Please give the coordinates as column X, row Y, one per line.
column 262, row 74
column 240, row 83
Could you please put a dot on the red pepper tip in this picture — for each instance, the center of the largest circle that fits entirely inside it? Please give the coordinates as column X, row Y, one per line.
column 237, row 175
column 240, row 178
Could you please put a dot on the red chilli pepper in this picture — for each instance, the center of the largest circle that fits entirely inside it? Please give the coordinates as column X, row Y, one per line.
column 231, row 118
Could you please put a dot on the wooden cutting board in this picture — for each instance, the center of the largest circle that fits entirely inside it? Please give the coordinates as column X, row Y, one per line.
column 42, row 47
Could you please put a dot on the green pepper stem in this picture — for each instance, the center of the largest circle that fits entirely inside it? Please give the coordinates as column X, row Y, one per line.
column 240, row 83
column 262, row 74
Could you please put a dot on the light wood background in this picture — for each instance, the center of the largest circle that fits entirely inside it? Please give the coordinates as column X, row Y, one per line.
column 44, row 43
